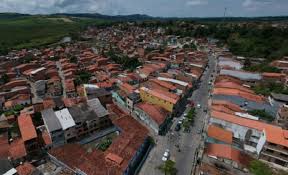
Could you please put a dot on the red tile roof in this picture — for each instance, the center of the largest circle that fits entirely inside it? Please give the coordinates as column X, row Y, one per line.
column 164, row 84
column 167, row 96
column 26, row 127
column 219, row 134
column 127, row 88
column 114, row 158
column 25, row 169
column 240, row 93
column 227, row 152
column 274, row 134
column 157, row 113
column 17, row 149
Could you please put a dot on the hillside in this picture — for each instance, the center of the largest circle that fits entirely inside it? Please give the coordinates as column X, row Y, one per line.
column 22, row 31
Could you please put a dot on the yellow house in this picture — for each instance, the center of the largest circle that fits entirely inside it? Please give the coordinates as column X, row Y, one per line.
column 156, row 98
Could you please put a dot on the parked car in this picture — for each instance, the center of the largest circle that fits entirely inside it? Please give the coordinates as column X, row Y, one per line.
column 198, row 106
column 178, row 127
column 166, row 155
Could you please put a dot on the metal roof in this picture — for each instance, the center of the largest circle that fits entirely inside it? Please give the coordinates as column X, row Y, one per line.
column 97, row 107
column 65, row 118
column 50, row 120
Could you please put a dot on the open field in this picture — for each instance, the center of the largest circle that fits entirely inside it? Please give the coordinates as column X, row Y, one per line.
column 33, row 31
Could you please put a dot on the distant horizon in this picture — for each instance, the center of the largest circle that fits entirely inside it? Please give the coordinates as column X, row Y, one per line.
column 91, row 13
column 154, row 8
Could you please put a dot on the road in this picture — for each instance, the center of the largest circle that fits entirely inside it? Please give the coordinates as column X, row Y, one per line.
column 188, row 142
column 61, row 74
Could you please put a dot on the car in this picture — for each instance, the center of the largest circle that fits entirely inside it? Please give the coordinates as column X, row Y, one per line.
column 198, row 106
column 164, row 159
column 199, row 131
column 167, row 153
column 178, row 127
column 180, row 122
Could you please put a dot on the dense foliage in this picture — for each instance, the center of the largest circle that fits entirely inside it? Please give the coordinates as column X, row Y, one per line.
column 250, row 40
column 258, row 168
column 82, row 77
column 266, row 88
column 262, row 114
column 125, row 61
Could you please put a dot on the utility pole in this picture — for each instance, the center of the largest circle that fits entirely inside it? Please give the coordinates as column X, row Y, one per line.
column 225, row 11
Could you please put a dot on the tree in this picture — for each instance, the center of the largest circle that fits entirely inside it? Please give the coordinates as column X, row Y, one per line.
column 4, row 79
column 259, row 168
column 168, row 168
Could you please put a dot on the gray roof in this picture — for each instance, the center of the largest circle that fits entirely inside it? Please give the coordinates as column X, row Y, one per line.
column 280, row 97
column 251, row 105
column 241, row 74
column 51, row 121
column 97, row 107
column 95, row 93
column 82, row 112
column 5, row 166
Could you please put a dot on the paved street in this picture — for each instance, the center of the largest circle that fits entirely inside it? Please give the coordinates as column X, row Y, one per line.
column 188, row 142
column 60, row 72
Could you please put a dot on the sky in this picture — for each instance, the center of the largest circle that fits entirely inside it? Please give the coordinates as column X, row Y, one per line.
column 157, row 8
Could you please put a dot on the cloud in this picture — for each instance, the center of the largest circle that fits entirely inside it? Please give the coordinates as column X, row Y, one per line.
column 257, row 4
column 196, row 2
column 61, row 6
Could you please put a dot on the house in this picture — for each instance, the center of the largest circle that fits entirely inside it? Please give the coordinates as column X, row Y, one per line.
column 248, row 77
column 132, row 99
column 156, row 117
column 70, row 88
column 28, row 132
column 54, row 87
column 274, row 77
column 268, row 142
column 89, row 118
column 53, row 127
column 20, row 99
column 219, row 135
column 164, row 99
column 245, row 99
column 228, row 155
column 103, row 95
column 122, row 157
column 282, row 117
column 67, row 123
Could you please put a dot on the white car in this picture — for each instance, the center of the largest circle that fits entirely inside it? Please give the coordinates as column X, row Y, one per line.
column 164, row 159
column 198, row 106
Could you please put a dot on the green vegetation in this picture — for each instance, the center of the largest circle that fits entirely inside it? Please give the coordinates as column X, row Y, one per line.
column 123, row 60
column 4, row 79
column 266, row 88
column 189, row 119
column 190, row 46
column 104, row 144
column 14, row 111
column 262, row 114
column 168, row 168
column 259, row 168
column 35, row 31
column 82, row 77
column 248, row 40
column 264, row 67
